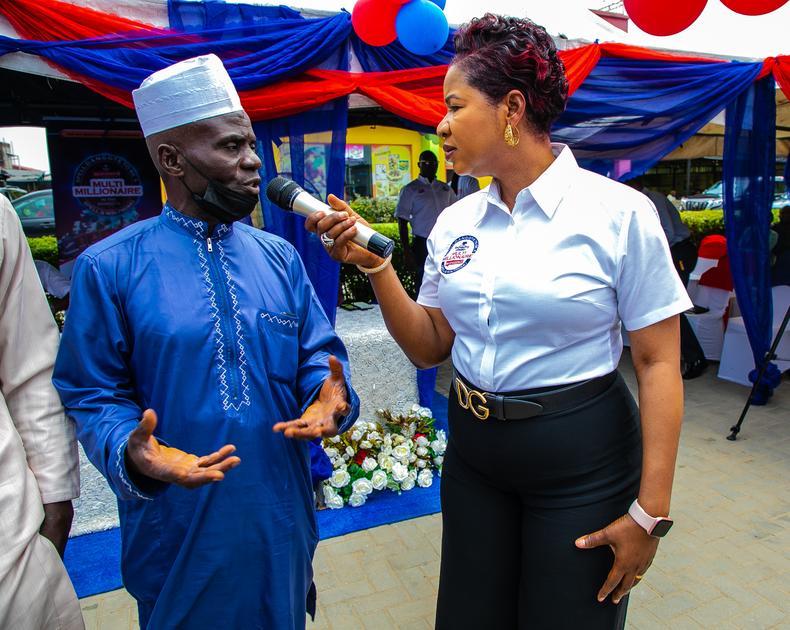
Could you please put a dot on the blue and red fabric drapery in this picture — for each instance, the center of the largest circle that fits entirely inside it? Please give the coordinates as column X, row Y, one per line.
column 631, row 105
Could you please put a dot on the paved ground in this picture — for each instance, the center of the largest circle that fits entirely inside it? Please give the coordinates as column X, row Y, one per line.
column 725, row 565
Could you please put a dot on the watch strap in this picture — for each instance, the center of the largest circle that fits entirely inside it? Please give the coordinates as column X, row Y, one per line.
column 643, row 519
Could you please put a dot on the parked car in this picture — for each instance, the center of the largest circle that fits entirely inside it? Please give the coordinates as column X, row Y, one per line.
column 12, row 192
column 709, row 199
column 37, row 212
column 713, row 197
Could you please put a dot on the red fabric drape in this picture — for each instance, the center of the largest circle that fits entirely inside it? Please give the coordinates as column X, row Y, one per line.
column 414, row 94
column 579, row 62
column 780, row 67
column 624, row 51
column 51, row 20
column 768, row 68
column 781, row 70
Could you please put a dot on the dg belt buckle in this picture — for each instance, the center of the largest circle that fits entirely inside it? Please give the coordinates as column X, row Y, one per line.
column 472, row 400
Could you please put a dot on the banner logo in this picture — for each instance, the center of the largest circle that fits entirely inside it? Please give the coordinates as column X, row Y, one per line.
column 459, row 254
column 107, row 184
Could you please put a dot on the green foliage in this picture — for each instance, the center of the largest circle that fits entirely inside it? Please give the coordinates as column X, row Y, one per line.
column 356, row 472
column 705, row 222
column 44, row 248
column 355, row 284
column 375, row 210
column 411, row 424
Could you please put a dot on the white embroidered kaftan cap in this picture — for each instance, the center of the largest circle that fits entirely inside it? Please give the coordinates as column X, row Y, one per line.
column 187, row 91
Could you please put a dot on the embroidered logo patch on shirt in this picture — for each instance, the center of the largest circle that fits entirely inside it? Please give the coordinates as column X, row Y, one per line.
column 459, row 254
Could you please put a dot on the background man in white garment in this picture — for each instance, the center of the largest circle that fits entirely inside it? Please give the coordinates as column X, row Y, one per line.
column 39, row 465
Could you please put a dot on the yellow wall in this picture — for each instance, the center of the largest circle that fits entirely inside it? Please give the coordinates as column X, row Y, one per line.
column 393, row 135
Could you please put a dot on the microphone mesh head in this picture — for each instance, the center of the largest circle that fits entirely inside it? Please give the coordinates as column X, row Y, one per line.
column 281, row 192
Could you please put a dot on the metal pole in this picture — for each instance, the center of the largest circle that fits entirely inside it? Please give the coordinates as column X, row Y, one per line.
column 769, row 356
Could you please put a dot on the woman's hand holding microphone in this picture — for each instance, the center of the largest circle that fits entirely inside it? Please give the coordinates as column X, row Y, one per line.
column 337, row 231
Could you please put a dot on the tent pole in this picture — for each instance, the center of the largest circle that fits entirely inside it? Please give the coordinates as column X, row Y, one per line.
column 769, row 356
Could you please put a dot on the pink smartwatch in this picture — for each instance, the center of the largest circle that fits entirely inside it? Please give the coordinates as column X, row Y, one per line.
column 654, row 525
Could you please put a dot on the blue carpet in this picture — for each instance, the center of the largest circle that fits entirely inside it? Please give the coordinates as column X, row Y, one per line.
column 93, row 560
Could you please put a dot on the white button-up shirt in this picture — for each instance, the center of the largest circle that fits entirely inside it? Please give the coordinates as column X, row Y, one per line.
column 421, row 202
column 536, row 297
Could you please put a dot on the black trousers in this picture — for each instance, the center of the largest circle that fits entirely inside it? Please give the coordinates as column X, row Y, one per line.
column 684, row 255
column 515, row 496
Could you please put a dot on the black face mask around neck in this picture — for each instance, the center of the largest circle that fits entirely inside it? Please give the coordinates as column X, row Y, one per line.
column 222, row 202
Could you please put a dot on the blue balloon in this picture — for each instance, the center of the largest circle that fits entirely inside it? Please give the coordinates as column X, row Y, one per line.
column 440, row 3
column 422, row 27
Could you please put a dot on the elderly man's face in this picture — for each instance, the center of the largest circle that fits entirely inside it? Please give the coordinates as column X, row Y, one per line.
column 222, row 148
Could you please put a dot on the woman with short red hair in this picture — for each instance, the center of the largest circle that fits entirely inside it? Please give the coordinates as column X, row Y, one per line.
column 554, row 490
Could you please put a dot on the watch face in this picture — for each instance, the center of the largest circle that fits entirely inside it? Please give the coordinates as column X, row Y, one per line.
column 662, row 527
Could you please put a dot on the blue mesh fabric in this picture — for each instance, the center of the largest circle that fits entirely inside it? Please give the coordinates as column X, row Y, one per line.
column 255, row 54
column 749, row 167
column 641, row 110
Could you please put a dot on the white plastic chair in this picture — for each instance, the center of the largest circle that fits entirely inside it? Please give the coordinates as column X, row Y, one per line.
column 709, row 327
column 736, row 355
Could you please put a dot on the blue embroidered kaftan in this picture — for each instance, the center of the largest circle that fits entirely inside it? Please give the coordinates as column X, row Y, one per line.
column 219, row 331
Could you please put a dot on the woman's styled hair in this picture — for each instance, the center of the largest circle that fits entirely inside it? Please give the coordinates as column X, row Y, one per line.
column 499, row 54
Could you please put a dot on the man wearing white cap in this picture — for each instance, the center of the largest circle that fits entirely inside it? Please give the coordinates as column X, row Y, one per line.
column 189, row 333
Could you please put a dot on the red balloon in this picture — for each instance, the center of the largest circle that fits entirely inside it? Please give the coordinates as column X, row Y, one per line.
column 374, row 21
column 654, row 17
column 753, row 7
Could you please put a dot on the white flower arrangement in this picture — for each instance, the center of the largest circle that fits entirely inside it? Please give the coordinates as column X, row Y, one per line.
column 399, row 452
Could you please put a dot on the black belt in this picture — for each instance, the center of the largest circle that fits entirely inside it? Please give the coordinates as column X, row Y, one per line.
column 529, row 403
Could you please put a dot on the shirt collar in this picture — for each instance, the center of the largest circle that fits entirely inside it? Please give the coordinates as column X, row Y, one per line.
column 192, row 226
column 548, row 189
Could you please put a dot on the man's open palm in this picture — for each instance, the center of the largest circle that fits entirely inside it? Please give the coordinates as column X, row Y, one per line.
column 171, row 465
column 320, row 418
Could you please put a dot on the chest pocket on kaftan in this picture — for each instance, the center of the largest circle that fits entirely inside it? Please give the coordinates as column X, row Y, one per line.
column 280, row 340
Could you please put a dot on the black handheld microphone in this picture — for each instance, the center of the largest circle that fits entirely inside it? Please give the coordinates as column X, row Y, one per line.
column 292, row 197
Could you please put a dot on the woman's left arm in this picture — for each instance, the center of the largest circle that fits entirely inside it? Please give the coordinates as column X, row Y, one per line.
column 655, row 351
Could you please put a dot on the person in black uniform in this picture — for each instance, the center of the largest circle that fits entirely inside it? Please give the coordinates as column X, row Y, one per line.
column 684, row 257
column 555, row 490
column 420, row 203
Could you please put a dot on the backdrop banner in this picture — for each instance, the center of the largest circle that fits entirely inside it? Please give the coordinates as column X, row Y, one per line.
column 101, row 181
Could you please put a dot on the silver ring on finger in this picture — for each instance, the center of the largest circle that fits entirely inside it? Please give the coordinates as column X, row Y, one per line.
column 326, row 241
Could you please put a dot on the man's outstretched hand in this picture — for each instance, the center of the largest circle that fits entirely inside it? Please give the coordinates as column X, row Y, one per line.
column 154, row 460
column 320, row 418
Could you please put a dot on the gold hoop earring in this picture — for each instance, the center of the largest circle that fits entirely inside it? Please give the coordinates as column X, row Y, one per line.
column 511, row 136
